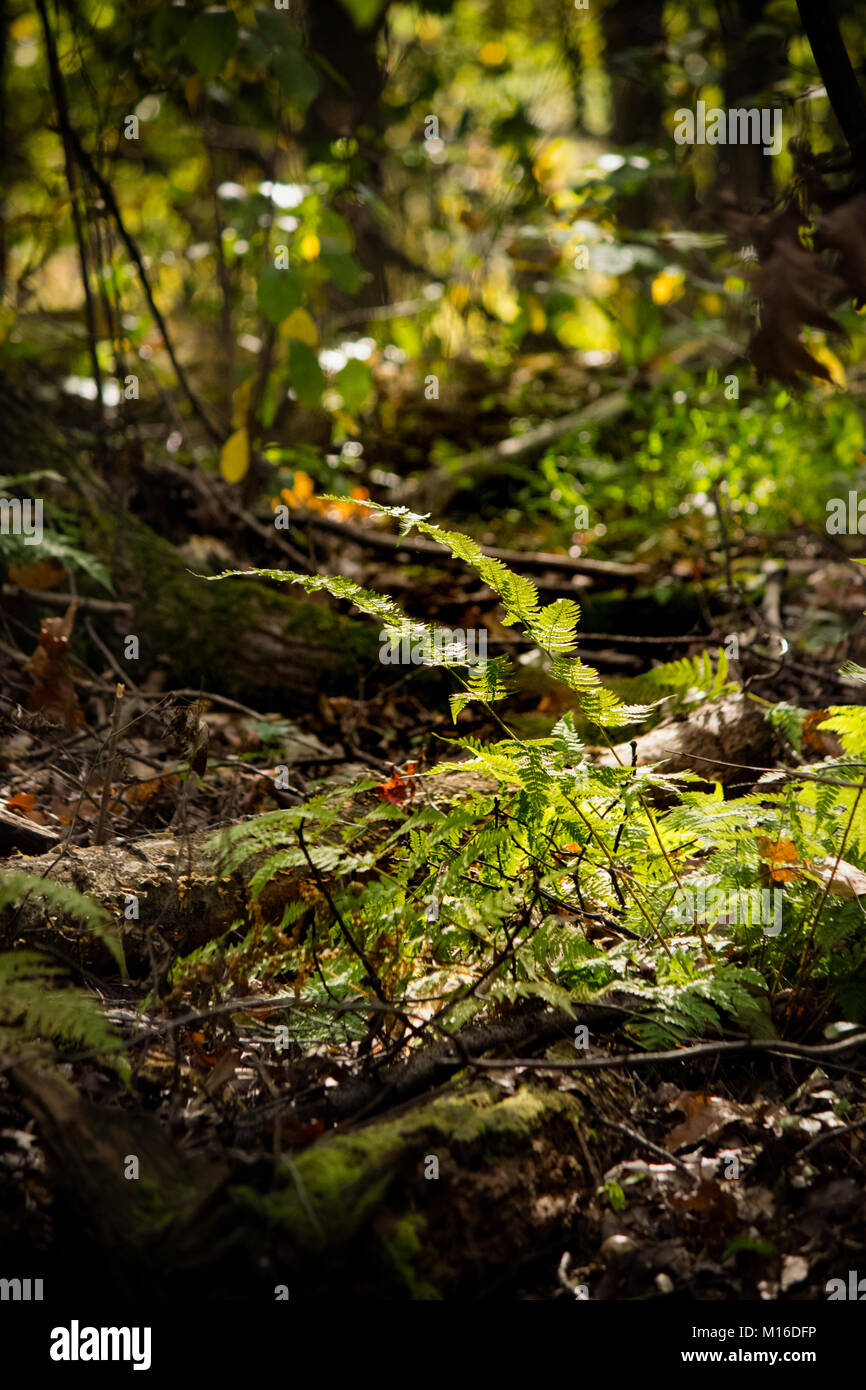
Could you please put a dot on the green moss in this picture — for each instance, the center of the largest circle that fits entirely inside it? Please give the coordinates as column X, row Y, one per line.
column 157, row 1206
column 402, row 1250
column 196, row 624
column 344, row 1178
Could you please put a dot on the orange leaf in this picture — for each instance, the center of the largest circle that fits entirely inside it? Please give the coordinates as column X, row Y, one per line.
column 778, row 854
column 42, row 574
column 396, row 790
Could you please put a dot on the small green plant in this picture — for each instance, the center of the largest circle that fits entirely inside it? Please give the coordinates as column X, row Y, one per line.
column 59, row 541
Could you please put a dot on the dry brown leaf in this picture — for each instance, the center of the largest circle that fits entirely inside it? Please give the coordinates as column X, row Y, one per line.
column 846, row 882
column 42, row 574
column 706, row 1116
column 709, row 1196
column 792, row 286
column 53, row 691
column 25, row 803
column 843, row 230
column 818, row 740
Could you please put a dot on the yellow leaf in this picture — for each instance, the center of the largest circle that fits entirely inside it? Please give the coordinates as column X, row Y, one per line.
column 537, row 316
column 235, row 457
column 499, row 299
column 241, row 403
column 427, row 27
column 23, row 27
column 668, row 285
column 588, row 329
column 823, row 354
column 492, row 54
column 299, row 325
column 310, row 247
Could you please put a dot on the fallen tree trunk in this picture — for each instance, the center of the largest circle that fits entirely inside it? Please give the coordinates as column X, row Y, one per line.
column 434, row 1202
column 182, row 895
column 537, row 562
column 270, row 649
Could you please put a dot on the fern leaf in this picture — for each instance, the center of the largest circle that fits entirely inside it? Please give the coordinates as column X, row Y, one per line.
column 18, row 886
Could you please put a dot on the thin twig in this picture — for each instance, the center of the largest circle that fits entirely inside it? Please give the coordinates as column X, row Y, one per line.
column 55, row 600
column 832, row 1134
column 352, row 944
column 620, row 1060
column 112, row 753
column 644, row 1143
column 67, row 136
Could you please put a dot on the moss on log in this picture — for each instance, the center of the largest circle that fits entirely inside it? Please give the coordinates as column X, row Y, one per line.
column 267, row 648
column 244, row 639
column 365, row 1207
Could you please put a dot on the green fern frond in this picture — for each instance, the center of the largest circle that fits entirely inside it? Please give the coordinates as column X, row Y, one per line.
column 36, row 1007
column 849, row 723
column 788, row 720
column 487, row 681
column 688, row 1005
column 599, row 704
column 567, row 740
column 535, row 777
column 684, row 682
column 519, row 595
column 555, row 627
column 18, row 886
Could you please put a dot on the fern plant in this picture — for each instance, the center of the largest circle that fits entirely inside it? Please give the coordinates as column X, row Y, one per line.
column 61, row 541
column 553, row 626
column 683, row 683
column 39, row 1009
column 553, row 877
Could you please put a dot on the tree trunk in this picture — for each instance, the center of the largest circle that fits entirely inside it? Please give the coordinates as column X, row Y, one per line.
column 754, row 61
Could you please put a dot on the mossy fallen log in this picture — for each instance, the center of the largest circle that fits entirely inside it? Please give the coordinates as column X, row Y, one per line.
column 438, row 1202
column 267, row 648
column 168, row 894
column 184, row 898
column 444, row 1199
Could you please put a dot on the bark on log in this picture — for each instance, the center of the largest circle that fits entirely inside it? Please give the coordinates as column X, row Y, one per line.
column 723, row 741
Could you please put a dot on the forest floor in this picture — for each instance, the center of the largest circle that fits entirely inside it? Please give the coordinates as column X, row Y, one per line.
column 272, row 1153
